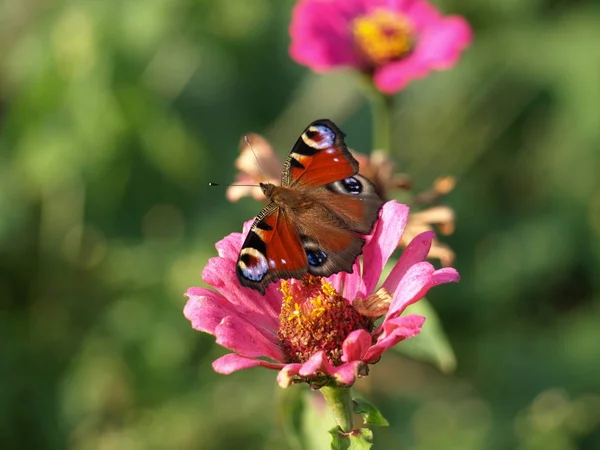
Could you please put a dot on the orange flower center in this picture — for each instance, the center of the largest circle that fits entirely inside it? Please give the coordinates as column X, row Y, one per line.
column 315, row 317
column 382, row 36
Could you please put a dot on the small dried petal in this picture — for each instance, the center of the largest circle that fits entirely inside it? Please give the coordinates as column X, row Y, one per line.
column 374, row 305
column 257, row 163
column 442, row 217
column 444, row 185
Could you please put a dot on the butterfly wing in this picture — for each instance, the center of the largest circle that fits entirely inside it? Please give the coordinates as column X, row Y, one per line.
column 272, row 250
column 354, row 200
column 319, row 157
column 329, row 247
column 331, row 230
column 315, row 221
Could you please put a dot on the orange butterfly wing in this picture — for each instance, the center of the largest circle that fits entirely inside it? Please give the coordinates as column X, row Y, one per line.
column 272, row 250
column 319, row 157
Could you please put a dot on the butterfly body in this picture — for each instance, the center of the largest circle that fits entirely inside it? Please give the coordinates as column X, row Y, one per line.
column 315, row 220
column 285, row 197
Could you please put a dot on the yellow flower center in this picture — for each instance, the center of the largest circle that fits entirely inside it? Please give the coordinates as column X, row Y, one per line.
column 315, row 317
column 382, row 36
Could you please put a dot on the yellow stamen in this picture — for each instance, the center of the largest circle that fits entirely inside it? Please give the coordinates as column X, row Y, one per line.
column 383, row 36
column 315, row 317
column 296, row 314
column 327, row 288
column 318, row 307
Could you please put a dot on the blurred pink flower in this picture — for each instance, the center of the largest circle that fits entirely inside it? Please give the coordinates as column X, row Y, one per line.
column 394, row 41
column 317, row 330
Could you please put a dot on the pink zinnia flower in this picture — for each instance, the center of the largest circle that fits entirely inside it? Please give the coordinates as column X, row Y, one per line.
column 317, row 330
column 395, row 41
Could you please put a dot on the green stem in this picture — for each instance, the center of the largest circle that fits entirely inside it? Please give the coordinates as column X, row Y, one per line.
column 381, row 108
column 340, row 403
column 381, row 105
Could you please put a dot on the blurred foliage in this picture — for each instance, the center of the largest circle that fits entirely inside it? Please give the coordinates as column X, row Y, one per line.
column 115, row 115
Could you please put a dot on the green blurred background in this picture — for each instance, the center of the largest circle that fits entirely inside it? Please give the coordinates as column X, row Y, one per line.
column 115, row 115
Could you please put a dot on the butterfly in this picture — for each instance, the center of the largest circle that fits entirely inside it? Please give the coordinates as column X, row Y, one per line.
column 315, row 220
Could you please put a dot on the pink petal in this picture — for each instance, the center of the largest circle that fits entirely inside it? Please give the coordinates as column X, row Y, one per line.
column 416, row 283
column 205, row 309
column 286, row 375
column 348, row 283
column 274, row 297
column 238, row 335
column 408, row 325
column 346, row 373
column 394, row 77
column 385, row 239
column 445, row 275
column 337, row 281
column 439, row 48
column 317, row 363
column 415, row 252
column 440, row 45
column 320, row 32
column 232, row 362
column 422, row 15
column 356, row 345
column 220, row 274
column 413, row 286
column 395, row 330
column 229, row 247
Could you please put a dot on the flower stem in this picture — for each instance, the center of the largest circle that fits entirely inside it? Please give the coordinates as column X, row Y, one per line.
column 381, row 109
column 340, row 402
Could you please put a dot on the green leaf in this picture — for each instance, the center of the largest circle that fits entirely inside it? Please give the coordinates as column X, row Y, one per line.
column 369, row 413
column 432, row 344
column 360, row 439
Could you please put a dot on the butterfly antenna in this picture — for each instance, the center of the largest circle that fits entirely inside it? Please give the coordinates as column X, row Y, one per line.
column 257, row 160
column 259, row 165
column 210, row 183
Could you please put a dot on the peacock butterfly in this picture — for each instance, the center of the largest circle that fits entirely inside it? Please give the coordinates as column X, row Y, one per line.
column 315, row 219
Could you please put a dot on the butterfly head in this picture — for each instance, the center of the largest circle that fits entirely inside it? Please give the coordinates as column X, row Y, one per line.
column 267, row 189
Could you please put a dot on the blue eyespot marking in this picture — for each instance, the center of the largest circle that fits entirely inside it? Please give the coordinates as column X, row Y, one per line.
column 352, row 185
column 321, row 136
column 316, row 257
column 253, row 266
